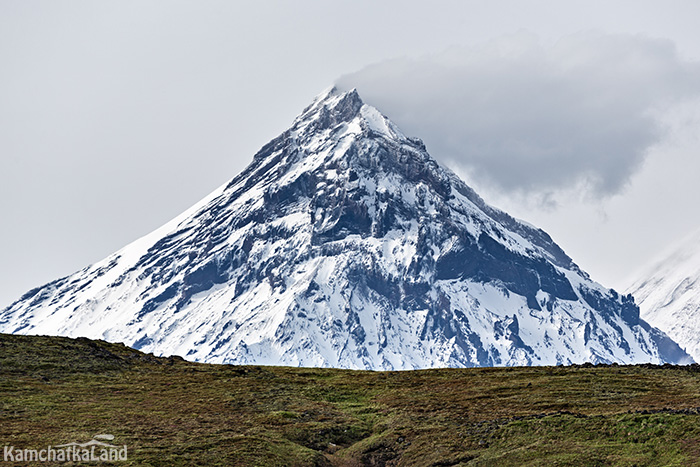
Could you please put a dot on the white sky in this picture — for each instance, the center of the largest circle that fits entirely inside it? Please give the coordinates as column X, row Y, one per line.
column 117, row 116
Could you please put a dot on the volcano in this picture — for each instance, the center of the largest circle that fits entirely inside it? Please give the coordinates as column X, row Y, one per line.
column 345, row 244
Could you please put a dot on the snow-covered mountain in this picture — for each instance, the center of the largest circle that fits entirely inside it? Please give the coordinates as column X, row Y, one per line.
column 668, row 294
column 345, row 244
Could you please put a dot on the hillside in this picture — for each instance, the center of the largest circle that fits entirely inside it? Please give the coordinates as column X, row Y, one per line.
column 169, row 411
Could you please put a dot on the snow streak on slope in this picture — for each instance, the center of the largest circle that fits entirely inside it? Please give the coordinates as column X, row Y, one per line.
column 345, row 244
column 668, row 294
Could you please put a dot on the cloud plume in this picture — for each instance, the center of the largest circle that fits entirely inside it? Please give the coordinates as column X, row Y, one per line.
column 531, row 118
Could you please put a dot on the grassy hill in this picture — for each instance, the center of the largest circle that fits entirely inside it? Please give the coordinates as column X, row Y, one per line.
column 171, row 412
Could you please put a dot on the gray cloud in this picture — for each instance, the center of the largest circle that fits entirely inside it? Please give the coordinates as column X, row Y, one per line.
column 529, row 118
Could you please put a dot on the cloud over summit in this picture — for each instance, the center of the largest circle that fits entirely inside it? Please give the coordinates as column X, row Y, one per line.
column 531, row 118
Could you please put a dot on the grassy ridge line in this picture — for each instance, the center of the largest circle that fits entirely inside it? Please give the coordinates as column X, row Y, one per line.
column 172, row 412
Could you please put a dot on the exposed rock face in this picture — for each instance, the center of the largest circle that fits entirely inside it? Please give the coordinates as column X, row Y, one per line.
column 345, row 244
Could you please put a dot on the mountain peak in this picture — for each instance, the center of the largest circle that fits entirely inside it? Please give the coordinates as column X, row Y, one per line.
column 334, row 107
column 331, row 97
column 345, row 244
column 330, row 108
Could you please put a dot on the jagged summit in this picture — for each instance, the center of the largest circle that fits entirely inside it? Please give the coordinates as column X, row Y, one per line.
column 345, row 244
column 334, row 107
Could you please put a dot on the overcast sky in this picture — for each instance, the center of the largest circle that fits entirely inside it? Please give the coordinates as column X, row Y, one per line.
column 579, row 117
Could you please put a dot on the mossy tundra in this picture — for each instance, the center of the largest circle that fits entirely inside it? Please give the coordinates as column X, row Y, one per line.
column 170, row 412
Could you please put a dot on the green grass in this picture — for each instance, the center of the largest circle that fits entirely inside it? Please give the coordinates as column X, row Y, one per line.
column 170, row 412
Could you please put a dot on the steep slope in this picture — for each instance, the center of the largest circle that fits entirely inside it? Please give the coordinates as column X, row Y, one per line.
column 345, row 244
column 668, row 294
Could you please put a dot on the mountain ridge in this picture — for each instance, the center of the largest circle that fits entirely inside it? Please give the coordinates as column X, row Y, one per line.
column 668, row 292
